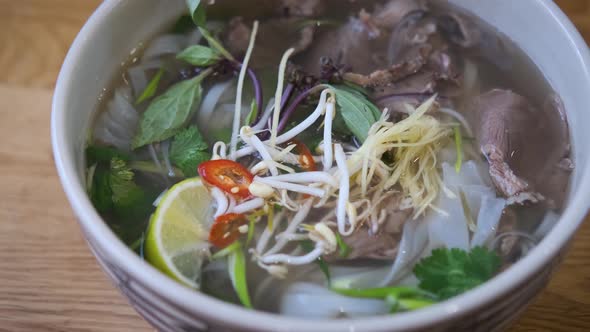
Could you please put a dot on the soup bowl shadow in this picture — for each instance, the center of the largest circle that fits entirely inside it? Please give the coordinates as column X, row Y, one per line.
column 537, row 26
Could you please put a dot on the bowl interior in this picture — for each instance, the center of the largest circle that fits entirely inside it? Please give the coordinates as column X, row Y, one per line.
column 120, row 25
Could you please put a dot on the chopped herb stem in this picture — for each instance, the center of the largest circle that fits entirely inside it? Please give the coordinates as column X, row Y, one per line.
column 213, row 42
column 151, row 88
column 459, row 147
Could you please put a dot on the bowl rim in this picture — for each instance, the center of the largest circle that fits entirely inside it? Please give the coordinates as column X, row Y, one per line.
column 236, row 316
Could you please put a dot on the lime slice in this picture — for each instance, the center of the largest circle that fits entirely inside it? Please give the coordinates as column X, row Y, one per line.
column 176, row 241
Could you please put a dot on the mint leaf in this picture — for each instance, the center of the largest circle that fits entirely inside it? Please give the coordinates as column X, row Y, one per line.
column 197, row 12
column 151, row 88
column 355, row 110
column 169, row 112
column 188, row 150
column 183, row 25
column 198, row 55
column 450, row 272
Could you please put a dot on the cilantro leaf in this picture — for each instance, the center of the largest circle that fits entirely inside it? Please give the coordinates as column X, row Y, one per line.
column 188, row 150
column 450, row 272
column 127, row 195
column 103, row 154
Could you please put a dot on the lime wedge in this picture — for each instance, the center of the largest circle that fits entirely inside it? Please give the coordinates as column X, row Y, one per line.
column 176, row 241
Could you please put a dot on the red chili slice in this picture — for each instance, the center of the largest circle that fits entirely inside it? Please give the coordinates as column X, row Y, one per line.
column 305, row 157
column 225, row 230
column 227, row 175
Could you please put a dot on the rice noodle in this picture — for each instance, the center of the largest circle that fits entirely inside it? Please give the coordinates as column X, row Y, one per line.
column 238, row 105
column 211, row 100
column 166, row 156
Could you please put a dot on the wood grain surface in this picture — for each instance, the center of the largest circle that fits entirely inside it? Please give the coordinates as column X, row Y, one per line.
column 49, row 281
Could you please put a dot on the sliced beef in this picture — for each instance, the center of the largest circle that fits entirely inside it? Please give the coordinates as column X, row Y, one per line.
column 274, row 37
column 394, row 11
column 302, row 8
column 526, row 147
column 353, row 44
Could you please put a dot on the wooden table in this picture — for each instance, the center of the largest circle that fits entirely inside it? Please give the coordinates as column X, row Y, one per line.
column 49, row 281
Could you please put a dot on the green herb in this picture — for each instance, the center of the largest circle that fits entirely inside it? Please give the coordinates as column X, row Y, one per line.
column 308, row 246
column 214, row 43
column 103, row 154
column 382, row 292
column 100, row 191
column 253, row 113
column 199, row 55
column 188, row 150
column 450, row 272
column 358, row 113
column 151, row 88
column 197, row 12
column 226, row 251
column 183, row 25
column 114, row 190
column 168, row 113
column 150, row 167
column 459, row 147
column 343, row 249
column 237, row 268
column 398, row 304
column 126, row 193
column 399, row 298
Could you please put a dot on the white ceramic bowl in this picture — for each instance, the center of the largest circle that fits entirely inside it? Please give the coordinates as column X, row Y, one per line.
column 538, row 26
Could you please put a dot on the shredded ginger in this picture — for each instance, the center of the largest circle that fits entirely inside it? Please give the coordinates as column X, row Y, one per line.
column 413, row 143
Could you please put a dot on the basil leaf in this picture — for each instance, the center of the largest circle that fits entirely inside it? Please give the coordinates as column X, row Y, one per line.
column 216, row 44
column 358, row 113
column 151, row 88
column 197, row 11
column 168, row 113
column 199, row 55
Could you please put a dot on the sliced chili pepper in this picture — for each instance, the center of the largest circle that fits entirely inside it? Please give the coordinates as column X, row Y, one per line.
column 305, row 157
column 226, row 230
column 227, row 175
